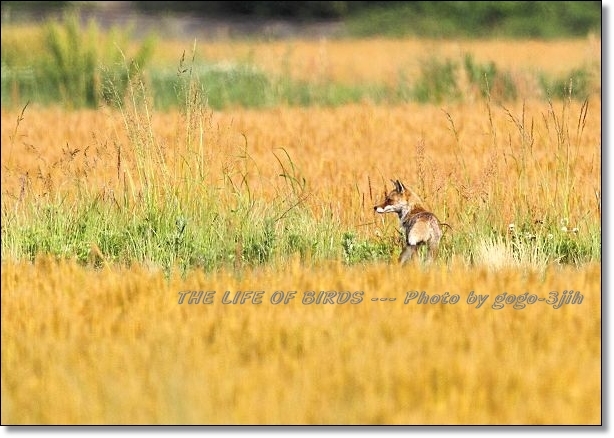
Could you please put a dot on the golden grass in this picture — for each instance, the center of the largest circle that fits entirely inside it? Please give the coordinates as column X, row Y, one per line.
column 381, row 60
column 114, row 346
column 451, row 155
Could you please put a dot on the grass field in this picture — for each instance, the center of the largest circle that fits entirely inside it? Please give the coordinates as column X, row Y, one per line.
column 115, row 346
column 108, row 215
column 98, row 178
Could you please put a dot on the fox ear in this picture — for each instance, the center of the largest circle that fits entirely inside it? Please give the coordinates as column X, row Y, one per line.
column 399, row 186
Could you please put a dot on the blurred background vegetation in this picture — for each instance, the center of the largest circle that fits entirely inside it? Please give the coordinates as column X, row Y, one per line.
column 543, row 19
column 74, row 58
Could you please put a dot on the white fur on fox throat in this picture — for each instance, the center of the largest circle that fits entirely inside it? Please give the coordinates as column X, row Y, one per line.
column 402, row 212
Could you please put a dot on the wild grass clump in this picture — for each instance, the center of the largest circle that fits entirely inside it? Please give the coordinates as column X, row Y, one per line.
column 73, row 64
column 437, row 82
column 489, row 80
column 224, row 85
column 168, row 207
column 542, row 222
column 357, row 251
column 578, row 83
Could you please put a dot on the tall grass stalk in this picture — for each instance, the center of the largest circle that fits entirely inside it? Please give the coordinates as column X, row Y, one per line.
column 210, row 218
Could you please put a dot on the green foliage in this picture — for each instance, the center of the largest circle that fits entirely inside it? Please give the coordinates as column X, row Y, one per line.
column 552, row 243
column 71, row 65
column 489, row 80
column 76, row 66
column 223, row 86
column 437, row 82
column 577, row 84
column 486, row 19
column 355, row 251
column 259, row 244
column 247, row 87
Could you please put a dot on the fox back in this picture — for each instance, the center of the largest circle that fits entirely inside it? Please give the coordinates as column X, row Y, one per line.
column 421, row 226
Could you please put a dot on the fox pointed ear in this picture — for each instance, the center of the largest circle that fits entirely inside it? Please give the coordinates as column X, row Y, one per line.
column 399, row 186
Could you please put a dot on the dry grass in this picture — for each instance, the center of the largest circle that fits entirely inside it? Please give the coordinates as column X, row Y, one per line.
column 457, row 159
column 381, row 60
column 114, row 346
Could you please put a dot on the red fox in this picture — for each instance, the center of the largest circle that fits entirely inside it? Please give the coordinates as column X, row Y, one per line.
column 421, row 226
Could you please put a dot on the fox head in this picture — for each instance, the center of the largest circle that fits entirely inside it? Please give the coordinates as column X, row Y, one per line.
column 400, row 200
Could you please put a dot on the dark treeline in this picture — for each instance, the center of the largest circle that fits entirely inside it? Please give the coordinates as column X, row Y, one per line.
column 363, row 18
column 488, row 13
column 296, row 10
column 223, row 9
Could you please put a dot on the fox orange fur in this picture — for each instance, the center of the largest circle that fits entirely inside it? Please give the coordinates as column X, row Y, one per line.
column 421, row 226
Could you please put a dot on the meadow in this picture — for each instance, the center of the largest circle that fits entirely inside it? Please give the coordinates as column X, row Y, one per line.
column 109, row 214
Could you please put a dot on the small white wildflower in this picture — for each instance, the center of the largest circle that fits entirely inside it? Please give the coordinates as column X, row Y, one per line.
column 564, row 229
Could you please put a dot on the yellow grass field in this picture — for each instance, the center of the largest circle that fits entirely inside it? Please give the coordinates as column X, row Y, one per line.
column 347, row 155
column 114, row 345
column 381, row 60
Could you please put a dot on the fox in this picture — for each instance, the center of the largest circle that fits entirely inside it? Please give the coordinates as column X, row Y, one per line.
column 420, row 225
